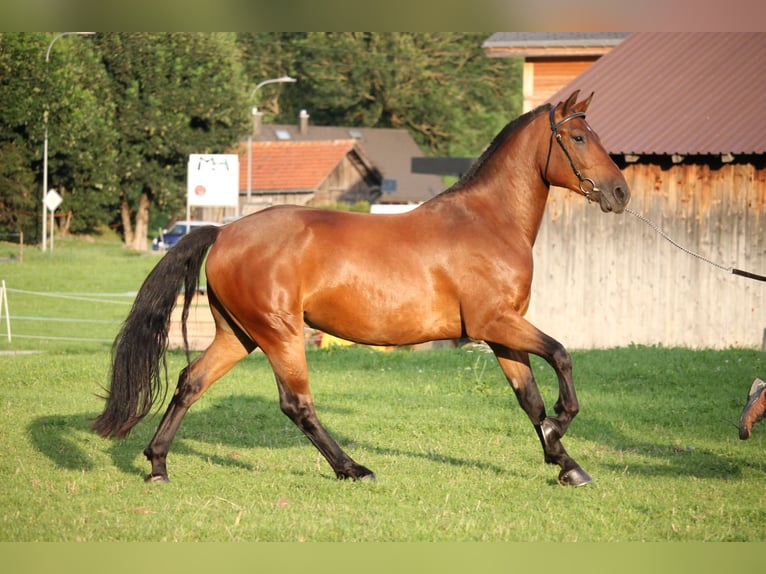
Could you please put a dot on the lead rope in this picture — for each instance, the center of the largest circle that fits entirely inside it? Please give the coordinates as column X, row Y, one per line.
column 665, row 236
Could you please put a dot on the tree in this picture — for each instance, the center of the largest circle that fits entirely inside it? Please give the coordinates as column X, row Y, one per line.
column 17, row 202
column 21, row 84
column 65, row 90
column 82, row 136
column 174, row 95
column 439, row 86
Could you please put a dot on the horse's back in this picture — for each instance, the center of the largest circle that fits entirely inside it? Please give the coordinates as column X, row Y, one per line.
column 295, row 231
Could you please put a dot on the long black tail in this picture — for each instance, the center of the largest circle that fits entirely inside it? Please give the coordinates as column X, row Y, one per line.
column 137, row 381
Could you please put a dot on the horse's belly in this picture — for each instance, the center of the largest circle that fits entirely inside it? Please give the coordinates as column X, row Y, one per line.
column 384, row 320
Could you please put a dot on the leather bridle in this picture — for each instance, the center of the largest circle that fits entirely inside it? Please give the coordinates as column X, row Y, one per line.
column 587, row 185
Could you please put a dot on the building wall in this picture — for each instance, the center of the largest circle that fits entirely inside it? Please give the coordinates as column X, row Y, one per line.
column 544, row 77
column 345, row 184
column 604, row 280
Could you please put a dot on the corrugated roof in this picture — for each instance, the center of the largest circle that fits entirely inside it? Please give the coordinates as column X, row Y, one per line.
column 292, row 166
column 679, row 93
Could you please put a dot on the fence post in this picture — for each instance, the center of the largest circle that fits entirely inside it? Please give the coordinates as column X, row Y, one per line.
column 4, row 303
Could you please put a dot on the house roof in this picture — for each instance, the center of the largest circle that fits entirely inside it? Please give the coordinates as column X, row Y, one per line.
column 295, row 166
column 390, row 149
column 530, row 44
column 678, row 93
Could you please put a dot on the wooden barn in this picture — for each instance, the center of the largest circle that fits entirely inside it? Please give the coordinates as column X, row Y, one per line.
column 683, row 116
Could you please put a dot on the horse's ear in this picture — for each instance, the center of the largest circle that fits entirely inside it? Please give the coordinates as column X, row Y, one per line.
column 570, row 102
column 583, row 105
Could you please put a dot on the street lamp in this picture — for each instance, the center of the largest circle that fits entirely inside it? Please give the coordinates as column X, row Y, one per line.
column 282, row 80
column 45, row 122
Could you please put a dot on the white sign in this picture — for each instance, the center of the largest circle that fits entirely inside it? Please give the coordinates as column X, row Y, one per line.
column 213, row 180
column 52, row 200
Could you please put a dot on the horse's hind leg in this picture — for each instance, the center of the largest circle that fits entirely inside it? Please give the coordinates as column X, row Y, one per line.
column 516, row 367
column 222, row 354
column 288, row 360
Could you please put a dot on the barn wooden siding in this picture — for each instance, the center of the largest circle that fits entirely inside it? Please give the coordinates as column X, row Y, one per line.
column 543, row 77
column 604, row 280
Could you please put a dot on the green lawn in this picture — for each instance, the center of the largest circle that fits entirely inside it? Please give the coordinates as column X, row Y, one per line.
column 455, row 457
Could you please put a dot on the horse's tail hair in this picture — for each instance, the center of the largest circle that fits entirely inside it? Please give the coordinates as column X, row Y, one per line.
column 139, row 349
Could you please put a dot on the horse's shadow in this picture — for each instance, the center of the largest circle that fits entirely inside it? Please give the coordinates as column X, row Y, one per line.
column 643, row 457
column 243, row 421
column 67, row 440
column 236, row 422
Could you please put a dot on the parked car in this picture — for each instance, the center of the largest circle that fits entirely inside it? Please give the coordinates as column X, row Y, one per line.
column 169, row 237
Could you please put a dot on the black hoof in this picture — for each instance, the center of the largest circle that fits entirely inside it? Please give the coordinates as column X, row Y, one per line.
column 574, row 477
column 362, row 473
column 356, row 472
column 156, row 478
column 370, row 476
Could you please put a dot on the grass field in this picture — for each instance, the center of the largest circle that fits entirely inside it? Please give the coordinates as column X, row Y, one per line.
column 456, row 458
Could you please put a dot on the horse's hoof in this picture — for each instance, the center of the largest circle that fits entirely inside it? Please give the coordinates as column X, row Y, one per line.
column 574, row 477
column 357, row 472
column 367, row 477
column 363, row 473
column 156, row 478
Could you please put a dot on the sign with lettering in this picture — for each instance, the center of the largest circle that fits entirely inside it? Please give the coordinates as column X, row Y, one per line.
column 213, row 180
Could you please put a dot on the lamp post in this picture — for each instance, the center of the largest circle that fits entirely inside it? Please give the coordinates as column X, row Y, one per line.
column 45, row 122
column 282, row 80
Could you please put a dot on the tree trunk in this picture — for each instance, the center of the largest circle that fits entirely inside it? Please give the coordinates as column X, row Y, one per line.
column 65, row 224
column 136, row 235
column 127, row 226
column 138, row 240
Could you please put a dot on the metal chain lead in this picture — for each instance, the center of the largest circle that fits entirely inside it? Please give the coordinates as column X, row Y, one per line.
column 681, row 247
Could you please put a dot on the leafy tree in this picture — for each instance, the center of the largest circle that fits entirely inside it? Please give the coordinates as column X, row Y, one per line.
column 174, row 95
column 17, row 203
column 439, row 86
column 21, row 84
column 82, row 138
column 62, row 89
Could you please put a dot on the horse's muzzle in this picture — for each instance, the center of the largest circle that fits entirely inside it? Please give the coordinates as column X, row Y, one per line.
column 614, row 199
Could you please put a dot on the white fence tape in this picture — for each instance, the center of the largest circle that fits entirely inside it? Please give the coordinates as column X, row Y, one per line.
column 103, row 298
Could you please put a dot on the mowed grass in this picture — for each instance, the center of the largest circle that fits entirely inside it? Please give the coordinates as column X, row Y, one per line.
column 456, row 459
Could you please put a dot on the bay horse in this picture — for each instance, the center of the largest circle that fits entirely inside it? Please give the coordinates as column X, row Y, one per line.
column 459, row 265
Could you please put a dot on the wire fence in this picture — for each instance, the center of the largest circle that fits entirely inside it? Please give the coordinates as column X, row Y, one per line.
column 62, row 315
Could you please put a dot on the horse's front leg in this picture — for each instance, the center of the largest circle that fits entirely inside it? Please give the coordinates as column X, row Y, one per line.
column 516, row 367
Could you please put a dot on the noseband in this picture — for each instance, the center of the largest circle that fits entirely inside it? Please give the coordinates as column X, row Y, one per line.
column 587, row 185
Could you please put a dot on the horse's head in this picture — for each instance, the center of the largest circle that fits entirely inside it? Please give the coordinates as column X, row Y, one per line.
column 576, row 159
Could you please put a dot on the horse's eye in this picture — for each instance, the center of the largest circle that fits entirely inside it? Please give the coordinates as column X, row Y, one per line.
column 578, row 139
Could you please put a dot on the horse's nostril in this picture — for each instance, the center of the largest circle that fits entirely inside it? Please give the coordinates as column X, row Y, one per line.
column 620, row 195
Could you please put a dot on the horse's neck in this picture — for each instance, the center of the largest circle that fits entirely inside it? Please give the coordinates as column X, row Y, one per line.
column 518, row 205
column 508, row 192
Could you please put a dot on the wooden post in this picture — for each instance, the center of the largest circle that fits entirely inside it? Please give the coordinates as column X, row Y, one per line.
column 4, row 307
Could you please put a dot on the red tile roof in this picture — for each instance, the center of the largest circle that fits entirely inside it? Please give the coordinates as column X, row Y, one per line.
column 291, row 165
column 390, row 149
column 679, row 93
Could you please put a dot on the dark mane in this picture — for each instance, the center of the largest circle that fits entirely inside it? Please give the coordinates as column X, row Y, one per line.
column 499, row 139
